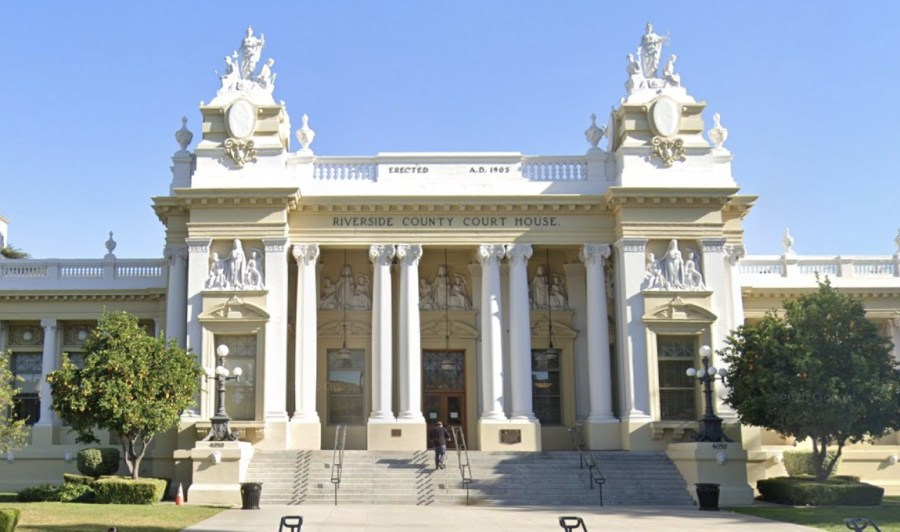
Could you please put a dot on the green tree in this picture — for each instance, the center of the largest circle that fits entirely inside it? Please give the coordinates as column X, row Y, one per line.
column 10, row 252
column 13, row 432
column 821, row 370
column 132, row 384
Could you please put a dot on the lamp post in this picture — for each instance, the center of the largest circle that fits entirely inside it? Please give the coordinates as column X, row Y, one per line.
column 221, row 422
column 710, row 424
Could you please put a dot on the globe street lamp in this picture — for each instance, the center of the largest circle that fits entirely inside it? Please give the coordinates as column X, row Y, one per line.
column 221, row 422
column 711, row 424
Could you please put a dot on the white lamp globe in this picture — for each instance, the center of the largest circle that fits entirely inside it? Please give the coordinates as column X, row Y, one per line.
column 222, row 350
column 723, row 372
column 220, row 370
column 705, row 350
column 700, row 373
column 691, row 372
column 238, row 372
column 712, row 370
column 209, row 372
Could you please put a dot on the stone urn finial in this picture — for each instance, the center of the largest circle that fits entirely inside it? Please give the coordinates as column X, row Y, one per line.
column 183, row 136
column 305, row 135
column 717, row 134
column 788, row 242
column 593, row 134
column 897, row 241
column 110, row 247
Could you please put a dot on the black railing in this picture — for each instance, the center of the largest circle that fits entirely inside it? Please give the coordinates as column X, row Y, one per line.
column 337, row 459
column 462, row 457
column 586, row 459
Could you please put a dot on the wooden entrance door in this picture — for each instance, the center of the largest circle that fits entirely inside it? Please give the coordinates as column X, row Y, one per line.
column 444, row 388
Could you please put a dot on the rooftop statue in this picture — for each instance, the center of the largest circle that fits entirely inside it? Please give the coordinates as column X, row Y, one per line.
column 240, row 69
column 651, row 51
column 251, row 49
column 644, row 65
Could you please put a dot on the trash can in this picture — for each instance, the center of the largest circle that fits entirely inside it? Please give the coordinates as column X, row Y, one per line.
column 250, row 492
column 708, row 496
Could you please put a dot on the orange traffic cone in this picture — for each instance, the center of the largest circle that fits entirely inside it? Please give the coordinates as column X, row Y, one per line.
column 179, row 497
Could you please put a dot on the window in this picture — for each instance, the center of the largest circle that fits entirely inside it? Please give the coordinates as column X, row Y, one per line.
column 546, row 394
column 26, row 399
column 443, row 370
column 677, row 396
column 346, row 387
column 240, row 397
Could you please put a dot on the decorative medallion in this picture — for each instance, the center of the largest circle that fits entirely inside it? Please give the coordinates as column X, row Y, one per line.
column 665, row 116
column 241, row 119
column 240, row 151
column 668, row 150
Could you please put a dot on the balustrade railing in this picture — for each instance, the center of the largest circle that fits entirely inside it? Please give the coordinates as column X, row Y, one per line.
column 791, row 266
column 554, row 168
column 30, row 273
column 345, row 169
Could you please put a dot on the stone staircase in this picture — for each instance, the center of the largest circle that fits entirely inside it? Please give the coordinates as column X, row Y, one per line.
column 515, row 479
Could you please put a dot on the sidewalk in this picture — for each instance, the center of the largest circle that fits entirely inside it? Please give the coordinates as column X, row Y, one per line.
column 320, row 518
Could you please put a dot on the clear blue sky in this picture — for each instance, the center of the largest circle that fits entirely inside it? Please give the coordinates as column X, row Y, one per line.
column 94, row 91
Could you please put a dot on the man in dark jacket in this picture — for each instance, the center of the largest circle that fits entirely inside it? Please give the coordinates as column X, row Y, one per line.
column 438, row 438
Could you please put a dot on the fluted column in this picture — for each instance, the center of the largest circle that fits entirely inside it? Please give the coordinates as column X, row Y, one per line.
column 410, row 342
column 48, row 364
column 491, row 333
column 519, row 333
column 176, row 294
column 275, row 360
column 599, row 367
column 306, row 332
column 381, row 256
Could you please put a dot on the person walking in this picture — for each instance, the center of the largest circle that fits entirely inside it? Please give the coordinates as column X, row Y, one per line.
column 438, row 438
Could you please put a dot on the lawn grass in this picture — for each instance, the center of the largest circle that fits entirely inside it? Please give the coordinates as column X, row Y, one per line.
column 75, row 517
column 831, row 517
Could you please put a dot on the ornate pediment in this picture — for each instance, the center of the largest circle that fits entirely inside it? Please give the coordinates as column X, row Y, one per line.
column 679, row 310
column 235, row 309
column 458, row 329
column 355, row 327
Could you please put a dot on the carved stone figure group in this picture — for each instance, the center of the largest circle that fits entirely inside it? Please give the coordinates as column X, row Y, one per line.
column 441, row 294
column 543, row 295
column 643, row 70
column 672, row 271
column 240, row 66
column 235, row 272
column 346, row 293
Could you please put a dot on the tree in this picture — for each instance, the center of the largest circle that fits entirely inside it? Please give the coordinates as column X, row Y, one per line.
column 10, row 252
column 13, row 432
column 132, row 384
column 821, row 371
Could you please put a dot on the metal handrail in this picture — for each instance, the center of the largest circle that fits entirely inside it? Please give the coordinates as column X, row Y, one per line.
column 337, row 458
column 462, row 457
column 578, row 445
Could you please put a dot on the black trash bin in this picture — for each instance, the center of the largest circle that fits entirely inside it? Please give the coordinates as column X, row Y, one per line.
column 708, row 496
column 250, row 493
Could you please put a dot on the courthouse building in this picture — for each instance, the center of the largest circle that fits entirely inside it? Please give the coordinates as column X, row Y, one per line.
column 515, row 296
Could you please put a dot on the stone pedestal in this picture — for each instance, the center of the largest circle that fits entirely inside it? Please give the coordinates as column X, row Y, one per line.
column 718, row 463
column 218, row 470
column 304, row 435
column 603, row 435
column 509, row 436
column 396, row 436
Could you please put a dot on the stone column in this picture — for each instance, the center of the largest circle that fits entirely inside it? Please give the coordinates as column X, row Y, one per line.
column 632, row 337
column 717, row 277
column 306, row 328
column 198, row 271
column 3, row 335
column 176, row 294
column 48, row 364
column 599, row 367
column 491, row 334
column 381, row 256
column 410, row 342
column 275, row 358
column 520, row 334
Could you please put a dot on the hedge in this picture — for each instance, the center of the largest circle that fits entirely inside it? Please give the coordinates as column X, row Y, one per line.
column 56, row 493
column 800, row 463
column 9, row 518
column 840, row 491
column 118, row 490
column 97, row 462
column 71, row 478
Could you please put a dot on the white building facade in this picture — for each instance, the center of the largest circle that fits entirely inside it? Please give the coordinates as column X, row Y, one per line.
column 514, row 296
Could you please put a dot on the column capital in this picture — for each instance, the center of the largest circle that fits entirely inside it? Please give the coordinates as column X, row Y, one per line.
column 712, row 245
column 174, row 252
column 305, row 254
column 518, row 253
column 490, row 254
column 49, row 325
column 381, row 254
column 593, row 254
column 275, row 245
column 409, row 254
column 734, row 254
column 632, row 245
column 198, row 245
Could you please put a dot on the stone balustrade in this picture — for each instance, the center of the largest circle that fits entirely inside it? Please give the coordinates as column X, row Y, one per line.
column 80, row 274
column 554, row 168
column 346, row 168
column 833, row 267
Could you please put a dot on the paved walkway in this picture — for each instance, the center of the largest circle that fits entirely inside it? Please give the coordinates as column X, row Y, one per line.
column 319, row 518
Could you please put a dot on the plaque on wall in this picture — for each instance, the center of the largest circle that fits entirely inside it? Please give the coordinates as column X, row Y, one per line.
column 510, row 436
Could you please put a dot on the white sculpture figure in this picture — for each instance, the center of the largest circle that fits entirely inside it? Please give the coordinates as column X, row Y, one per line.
column 669, row 73
column 635, row 77
column 237, row 263
column 251, row 49
column 362, row 296
column 266, row 78
column 440, row 288
column 651, row 50
column 653, row 278
column 230, row 77
column 539, row 290
column 216, row 277
column 426, row 302
column 254, row 277
column 674, row 266
column 329, row 300
column 458, row 299
column 558, row 298
column 345, row 287
column 693, row 279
